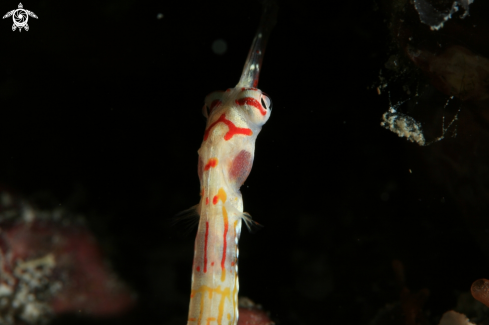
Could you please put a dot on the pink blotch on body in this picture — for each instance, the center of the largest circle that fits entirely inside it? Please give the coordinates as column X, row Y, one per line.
column 241, row 167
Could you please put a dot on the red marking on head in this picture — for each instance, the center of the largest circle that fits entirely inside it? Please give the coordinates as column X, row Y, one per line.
column 241, row 167
column 205, row 245
column 198, row 268
column 232, row 263
column 211, row 163
column 255, row 82
column 252, row 102
column 212, row 264
column 250, row 88
column 215, row 199
column 228, row 90
column 206, row 200
column 215, row 103
column 233, row 130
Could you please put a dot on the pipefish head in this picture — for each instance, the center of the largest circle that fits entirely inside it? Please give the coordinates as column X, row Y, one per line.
column 251, row 104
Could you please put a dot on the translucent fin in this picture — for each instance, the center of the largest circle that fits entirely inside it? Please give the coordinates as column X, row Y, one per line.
column 188, row 219
column 252, row 67
column 252, row 226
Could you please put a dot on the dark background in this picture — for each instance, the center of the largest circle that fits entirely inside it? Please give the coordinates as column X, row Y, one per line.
column 100, row 111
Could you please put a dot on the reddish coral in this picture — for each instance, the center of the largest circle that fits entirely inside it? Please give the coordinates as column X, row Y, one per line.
column 480, row 291
column 252, row 314
column 86, row 284
column 50, row 266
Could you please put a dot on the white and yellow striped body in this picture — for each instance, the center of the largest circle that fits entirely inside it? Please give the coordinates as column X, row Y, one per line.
column 234, row 119
column 225, row 160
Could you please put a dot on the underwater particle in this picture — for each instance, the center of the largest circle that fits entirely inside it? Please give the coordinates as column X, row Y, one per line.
column 403, row 125
column 219, row 46
column 159, row 16
column 480, row 291
column 435, row 18
column 406, row 126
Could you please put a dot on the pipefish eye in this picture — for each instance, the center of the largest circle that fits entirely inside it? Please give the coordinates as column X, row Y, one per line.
column 266, row 102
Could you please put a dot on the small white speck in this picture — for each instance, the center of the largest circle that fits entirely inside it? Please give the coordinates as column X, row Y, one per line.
column 260, row 35
column 159, row 16
column 219, row 46
column 410, row 171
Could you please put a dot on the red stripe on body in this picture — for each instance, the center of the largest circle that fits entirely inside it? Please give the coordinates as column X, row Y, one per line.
column 205, row 245
column 225, row 243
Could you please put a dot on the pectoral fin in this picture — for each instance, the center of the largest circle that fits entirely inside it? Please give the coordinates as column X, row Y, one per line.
column 188, row 218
